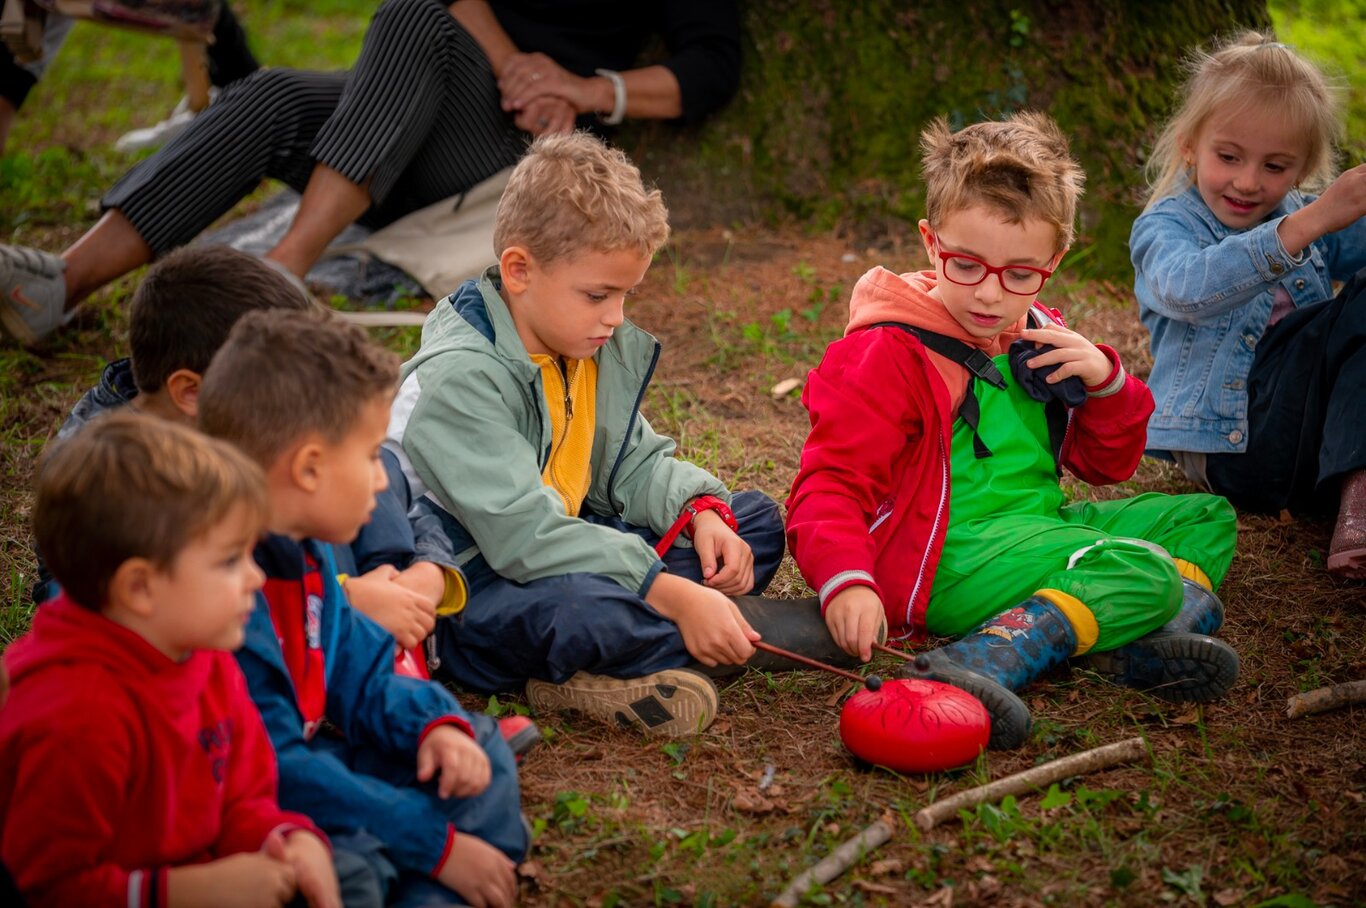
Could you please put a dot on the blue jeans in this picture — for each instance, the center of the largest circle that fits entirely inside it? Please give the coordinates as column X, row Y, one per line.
column 555, row 626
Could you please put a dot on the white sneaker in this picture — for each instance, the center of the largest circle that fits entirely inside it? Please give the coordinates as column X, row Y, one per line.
column 32, row 293
column 160, row 133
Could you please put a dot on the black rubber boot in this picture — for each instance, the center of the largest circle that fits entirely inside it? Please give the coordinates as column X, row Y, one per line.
column 795, row 625
column 1179, row 661
column 998, row 658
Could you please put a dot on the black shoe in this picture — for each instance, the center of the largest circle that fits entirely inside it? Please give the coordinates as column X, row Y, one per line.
column 1010, row 720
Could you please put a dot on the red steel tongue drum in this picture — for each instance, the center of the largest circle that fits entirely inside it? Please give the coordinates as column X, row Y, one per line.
column 904, row 724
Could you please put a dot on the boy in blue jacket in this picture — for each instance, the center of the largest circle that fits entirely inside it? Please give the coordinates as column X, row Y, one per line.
column 363, row 752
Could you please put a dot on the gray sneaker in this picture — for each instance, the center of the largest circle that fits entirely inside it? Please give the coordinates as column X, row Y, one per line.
column 34, row 293
column 670, row 703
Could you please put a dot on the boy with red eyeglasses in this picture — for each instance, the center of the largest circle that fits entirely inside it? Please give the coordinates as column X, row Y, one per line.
column 928, row 492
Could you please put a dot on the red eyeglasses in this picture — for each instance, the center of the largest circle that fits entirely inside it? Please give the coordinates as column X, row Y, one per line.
column 969, row 271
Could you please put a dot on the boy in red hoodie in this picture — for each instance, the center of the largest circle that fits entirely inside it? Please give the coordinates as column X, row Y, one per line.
column 134, row 768
column 928, row 495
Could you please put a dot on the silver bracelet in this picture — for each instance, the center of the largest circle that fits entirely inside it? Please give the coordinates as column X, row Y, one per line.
column 618, row 97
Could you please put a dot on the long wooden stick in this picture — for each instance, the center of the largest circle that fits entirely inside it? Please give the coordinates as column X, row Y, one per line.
column 1031, row 779
column 837, row 861
column 1325, row 698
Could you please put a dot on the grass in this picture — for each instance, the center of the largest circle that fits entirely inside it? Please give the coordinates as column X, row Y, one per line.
column 1238, row 806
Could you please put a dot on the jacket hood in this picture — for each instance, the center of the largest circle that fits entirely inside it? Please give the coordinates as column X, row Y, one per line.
column 882, row 296
column 68, row 641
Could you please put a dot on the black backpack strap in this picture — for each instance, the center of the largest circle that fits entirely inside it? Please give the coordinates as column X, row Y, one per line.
column 979, row 366
column 969, row 357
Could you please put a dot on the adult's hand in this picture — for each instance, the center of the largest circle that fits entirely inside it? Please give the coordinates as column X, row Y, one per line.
column 546, row 117
column 528, row 77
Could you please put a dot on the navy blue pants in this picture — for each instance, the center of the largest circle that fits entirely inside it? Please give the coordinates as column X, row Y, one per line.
column 553, row 627
column 1305, row 425
column 494, row 816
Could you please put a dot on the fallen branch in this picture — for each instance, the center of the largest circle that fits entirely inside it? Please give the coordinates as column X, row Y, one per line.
column 1031, row 779
column 1325, row 698
column 838, row 861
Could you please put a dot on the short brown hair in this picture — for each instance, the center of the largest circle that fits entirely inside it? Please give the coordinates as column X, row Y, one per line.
column 134, row 486
column 1020, row 167
column 282, row 375
column 573, row 194
column 189, row 301
column 1250, row 72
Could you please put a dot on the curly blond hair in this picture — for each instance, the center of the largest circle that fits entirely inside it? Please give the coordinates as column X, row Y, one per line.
column 573, row 194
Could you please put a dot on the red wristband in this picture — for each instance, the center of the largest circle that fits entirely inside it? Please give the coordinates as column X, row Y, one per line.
column 690, row 511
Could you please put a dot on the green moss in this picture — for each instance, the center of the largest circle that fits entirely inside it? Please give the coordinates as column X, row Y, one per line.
column 835, row 92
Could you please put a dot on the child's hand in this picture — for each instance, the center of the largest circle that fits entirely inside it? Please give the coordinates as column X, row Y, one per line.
column 480, row 873
column 855, row 618
column 458, row 758
column 247, row 880
column 1340, row 205
column 713, row 629
column 715, row 542
column 312, row 863
column 1075, row 355
column 424, row 578
column 408, row 615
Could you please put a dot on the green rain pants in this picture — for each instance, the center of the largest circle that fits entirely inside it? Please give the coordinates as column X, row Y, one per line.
column 1011, row 535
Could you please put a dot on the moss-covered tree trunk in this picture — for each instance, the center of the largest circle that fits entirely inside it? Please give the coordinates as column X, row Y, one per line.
column 835, row 92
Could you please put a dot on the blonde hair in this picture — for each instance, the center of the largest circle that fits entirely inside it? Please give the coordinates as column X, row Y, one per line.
column 572, row 194
column 1249, row 72
column 1020, row 166
column 134, row 486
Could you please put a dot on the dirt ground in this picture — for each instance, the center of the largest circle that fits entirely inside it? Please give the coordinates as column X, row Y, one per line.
column 1236, row 804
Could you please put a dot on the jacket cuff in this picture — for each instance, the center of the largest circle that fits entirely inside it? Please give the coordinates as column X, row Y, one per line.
column 288, row 829
column 147, row 888
column 445, row 850
column 456, row 593
column 842, row 581
column 1269, row 256
column 444, row 720
column 1115, row 381
column 650, row 575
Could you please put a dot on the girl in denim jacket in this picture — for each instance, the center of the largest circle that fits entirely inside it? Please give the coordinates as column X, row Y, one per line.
column 1259, row 371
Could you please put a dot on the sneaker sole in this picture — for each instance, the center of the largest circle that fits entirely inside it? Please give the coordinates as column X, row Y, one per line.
column 1348, row 565
column 15, row 326
column 1181, row 668
column 669, row 703
column 1010, row 719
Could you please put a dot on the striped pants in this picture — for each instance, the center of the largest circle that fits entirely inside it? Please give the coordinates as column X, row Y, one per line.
column 418, row 117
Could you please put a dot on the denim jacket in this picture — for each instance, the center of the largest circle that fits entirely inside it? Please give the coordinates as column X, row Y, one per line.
column 1205, row 293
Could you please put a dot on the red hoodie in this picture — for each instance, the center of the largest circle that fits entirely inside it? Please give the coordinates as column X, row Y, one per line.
column 870, row 503
column 117, row 764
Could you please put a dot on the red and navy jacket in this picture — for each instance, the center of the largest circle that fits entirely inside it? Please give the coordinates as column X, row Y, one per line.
column 346, row 665
column 118, row 764
column 870, row 503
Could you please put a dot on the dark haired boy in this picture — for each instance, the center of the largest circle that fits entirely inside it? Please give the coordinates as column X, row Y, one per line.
column 134, row 768
column 307, row 397
column 180, row 315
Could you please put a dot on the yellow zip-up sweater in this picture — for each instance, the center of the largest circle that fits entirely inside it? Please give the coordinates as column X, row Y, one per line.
column 570, row 394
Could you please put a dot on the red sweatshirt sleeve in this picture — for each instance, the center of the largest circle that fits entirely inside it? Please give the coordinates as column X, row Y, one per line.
column 864, row 401
column 69, row 792
column 251, row 807
column 1106, row 435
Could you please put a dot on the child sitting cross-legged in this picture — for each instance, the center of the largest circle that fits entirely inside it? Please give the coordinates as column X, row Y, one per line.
column 519, row 418
column 307, row 397
column 928, row 491
column 134, row 768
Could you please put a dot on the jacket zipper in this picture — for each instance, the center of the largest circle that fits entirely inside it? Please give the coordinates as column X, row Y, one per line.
column 630, row 426
column 934, row 532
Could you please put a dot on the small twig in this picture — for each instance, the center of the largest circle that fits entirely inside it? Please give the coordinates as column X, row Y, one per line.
column 1325, row 698
column 838, row 861
column 1031, row 779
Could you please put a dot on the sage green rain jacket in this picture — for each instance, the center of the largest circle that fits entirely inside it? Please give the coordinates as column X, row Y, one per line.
column 472, row 424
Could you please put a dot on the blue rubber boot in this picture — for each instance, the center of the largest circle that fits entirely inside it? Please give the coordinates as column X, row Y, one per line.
column 998, row 658
column 1179, row 661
